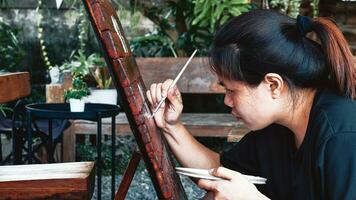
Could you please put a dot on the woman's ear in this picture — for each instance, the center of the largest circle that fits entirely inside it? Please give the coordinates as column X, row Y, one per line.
column 275, row 84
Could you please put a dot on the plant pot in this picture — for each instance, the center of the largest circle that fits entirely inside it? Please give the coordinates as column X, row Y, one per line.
column 77, row 105
column 107, row 96
column 55, row 75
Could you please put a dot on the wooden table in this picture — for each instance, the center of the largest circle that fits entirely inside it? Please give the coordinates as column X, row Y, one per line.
column 47, row 181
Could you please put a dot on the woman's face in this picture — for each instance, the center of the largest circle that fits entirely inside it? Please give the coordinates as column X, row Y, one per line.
column 254, row 106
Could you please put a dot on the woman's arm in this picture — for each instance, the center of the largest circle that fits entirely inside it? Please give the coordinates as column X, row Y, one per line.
column 188, row 151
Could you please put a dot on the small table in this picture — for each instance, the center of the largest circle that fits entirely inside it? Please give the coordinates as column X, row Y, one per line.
column 93, row 111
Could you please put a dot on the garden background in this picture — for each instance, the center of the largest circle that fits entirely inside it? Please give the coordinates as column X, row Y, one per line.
column 36, row 36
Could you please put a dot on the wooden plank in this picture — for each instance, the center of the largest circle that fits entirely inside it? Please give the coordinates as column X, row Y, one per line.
column 14, row 86
column 198, row 124
column 68, row 144
column 197, row 78
column 47, row 181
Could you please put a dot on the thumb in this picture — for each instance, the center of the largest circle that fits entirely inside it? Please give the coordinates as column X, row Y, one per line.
column 223, row 172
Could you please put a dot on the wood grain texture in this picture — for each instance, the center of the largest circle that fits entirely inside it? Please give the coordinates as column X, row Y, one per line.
column 54, row 93
column 14, row 86
column 197, row 78
column 47, row 181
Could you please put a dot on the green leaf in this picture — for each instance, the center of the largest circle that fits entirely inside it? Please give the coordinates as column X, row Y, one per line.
column 224, row 19
column 235, row 11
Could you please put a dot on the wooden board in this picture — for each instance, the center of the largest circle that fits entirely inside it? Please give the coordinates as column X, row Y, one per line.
column 198, row 78
column 47, row 181
column 198, row 124
column 14, row 86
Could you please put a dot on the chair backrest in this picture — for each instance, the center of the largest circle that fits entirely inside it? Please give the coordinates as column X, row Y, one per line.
column 14, row 86
column 131, row 88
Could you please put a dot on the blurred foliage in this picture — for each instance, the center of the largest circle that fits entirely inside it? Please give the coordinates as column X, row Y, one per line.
column 90, row 68
column 152, row 45
column 182, row 26
column 292, row 7
column 4, row 108
column 37, row 95
column 11, row 52
column 212, row 13
column 3, row 2
column 78, row 91
column 185, row 24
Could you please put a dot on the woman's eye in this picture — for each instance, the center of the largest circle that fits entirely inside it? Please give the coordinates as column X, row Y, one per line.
column 229, row 91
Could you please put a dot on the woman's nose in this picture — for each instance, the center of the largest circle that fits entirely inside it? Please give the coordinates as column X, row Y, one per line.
column 228, row 101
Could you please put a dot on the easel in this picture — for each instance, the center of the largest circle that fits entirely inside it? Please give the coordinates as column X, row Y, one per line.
column 128, row 81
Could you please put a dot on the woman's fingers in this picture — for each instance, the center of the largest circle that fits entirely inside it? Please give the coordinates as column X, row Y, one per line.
column 159, row 92
column 165, row 86
column 174, row 97
column 224, row 173
column 172, row 93
column 153, row 94
column 148, row 95
column 207, row 184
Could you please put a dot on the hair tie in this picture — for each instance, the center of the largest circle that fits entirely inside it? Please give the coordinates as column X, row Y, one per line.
column 304, row 24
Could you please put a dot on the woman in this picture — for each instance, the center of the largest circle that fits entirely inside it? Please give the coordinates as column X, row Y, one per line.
column 297, row 97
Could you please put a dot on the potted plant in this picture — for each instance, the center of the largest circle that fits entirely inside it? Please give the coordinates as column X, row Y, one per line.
column 102, row 93
column 76, row 95
column 93, row 70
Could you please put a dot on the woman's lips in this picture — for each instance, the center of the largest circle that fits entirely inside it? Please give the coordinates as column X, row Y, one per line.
column 237, row 116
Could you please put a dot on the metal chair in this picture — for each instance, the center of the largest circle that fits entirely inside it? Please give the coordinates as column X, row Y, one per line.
column 16, row 128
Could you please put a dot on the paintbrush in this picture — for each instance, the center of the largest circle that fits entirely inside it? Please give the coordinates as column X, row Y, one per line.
column 174, row 82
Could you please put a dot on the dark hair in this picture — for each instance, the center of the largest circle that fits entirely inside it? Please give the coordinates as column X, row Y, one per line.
column 265, row 41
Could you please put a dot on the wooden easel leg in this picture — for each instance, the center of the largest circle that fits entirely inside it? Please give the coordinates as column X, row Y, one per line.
column 128, row 176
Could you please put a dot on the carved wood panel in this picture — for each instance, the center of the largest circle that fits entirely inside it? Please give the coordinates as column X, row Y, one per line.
column 132, row 90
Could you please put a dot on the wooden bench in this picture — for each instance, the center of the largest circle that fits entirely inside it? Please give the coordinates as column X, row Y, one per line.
column 197, row 79
column 14, row 86
column 47, row 181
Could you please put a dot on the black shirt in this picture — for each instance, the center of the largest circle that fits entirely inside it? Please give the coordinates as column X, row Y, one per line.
column 324, row 167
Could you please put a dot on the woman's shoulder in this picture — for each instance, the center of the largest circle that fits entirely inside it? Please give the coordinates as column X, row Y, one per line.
column 334, row 111
column 272, row 133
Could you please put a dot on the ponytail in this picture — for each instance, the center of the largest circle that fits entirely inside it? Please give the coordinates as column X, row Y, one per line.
column 341, row 63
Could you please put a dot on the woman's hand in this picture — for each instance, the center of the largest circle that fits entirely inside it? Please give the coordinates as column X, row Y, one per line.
column 234, row 187
column 170, row 111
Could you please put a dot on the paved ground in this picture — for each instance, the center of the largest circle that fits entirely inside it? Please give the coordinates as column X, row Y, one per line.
column 141, row 188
